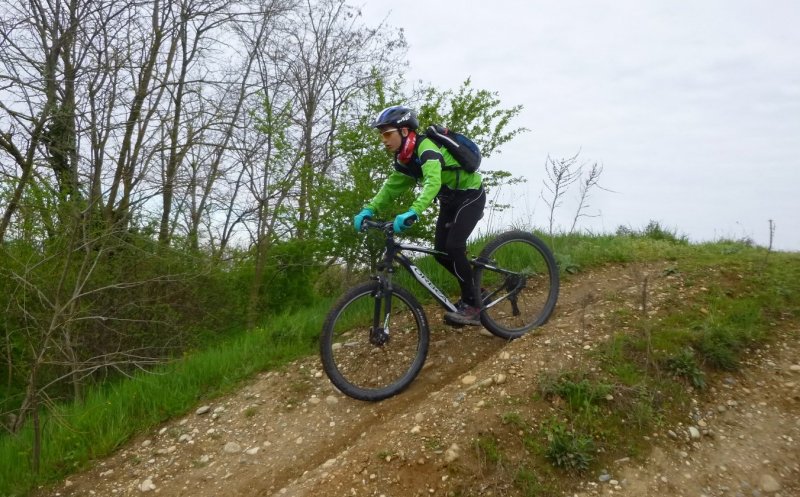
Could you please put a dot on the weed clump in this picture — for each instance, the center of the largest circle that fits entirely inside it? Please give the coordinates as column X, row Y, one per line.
column 653, row 231
column 580, row 395
column 684, row 365
column 488, row 449
column 567, row 449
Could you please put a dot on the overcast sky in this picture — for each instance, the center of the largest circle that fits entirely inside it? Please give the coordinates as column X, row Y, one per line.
column 692, row 107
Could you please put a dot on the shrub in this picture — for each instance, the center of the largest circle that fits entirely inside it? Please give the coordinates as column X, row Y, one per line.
column 568, row 450
column 653, row 231
column 684, row 365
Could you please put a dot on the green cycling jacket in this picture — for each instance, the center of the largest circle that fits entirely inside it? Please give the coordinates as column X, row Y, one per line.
column 437, row 169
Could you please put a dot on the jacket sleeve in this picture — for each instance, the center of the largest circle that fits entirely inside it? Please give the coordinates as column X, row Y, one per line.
column 432, row 161
column 392, row 188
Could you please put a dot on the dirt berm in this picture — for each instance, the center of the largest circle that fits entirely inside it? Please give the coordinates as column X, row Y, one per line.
column 289, row 433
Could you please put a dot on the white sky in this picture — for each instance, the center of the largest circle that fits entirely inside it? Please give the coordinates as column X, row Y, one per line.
column 692, row 107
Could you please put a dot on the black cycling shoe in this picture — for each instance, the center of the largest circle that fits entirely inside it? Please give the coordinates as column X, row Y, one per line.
column 464, row 315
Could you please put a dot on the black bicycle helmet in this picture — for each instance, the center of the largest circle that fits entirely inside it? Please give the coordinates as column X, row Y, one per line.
column 397, row 115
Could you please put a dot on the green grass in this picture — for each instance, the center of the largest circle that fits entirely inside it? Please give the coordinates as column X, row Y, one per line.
column 528, row 483
column 77, row 433
column 748, row 293
column 684, row 365
column 488, row 449
column 568, row 449
column 580, row 394
column 734, row 297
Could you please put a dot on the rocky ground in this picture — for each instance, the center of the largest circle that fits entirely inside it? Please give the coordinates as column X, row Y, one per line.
column 290, row 433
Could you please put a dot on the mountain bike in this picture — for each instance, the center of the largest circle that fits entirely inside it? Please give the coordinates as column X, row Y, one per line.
column 375, row 337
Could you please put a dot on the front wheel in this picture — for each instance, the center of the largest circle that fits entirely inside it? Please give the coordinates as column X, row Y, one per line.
column 518, row 277
column 368, row 354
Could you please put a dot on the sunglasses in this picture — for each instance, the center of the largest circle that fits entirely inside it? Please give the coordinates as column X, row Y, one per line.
column 387, row 133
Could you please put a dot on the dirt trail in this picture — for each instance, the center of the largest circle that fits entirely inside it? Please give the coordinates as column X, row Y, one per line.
column 290, row 433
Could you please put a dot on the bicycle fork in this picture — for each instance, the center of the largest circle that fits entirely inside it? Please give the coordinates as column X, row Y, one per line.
column 379, row 333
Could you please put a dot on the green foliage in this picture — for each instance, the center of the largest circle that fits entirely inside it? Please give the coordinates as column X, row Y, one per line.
column 514, row 419
column 653, row 231
column 366, row 164
column 643, row 412
column 566, row 264
column 528, row 482
column 334, row 280
column 433, row 443
column 476, row 113
column 567, row 449
column 684, row 365
column 78, row 432
column 290, row 275
column 577, row 251
column 140, row 304
column 580, row 394
column 718, row 347
column 488, row 448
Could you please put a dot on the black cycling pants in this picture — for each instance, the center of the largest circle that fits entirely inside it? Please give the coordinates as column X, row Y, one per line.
column 459, row 213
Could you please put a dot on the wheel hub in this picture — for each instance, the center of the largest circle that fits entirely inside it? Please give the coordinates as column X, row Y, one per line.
column 378, row 337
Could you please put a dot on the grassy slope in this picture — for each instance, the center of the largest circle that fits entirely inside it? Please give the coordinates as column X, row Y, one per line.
column 733, row 298
column 750, row 289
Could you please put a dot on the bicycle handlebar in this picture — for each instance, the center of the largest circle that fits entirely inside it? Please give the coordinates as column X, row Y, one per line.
column 387, row 226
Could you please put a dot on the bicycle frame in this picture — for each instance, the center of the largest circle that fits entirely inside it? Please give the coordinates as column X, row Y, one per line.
column 394, row 253
column 418, row 275
column 440, row 297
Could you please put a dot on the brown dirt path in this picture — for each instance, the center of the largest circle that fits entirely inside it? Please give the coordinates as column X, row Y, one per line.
column 289, row 432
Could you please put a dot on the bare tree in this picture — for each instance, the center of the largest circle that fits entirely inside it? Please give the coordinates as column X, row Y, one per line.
column 334, row 60
column 101, row 105
column 561, row 174
column 324, row 60
column 125, row 124
column 590, row 181
column 36, row 38
column 55, row 296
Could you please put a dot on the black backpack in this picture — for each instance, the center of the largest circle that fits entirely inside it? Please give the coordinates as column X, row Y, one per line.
column 464, row 150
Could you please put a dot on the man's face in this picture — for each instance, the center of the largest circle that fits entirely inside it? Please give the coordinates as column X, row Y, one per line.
column 391, row 138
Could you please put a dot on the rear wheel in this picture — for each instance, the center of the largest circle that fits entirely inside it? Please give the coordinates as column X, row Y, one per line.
column 369, row 362
column 518, row 277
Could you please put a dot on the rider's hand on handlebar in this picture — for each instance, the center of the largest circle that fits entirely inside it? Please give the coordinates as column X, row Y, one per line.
column 404, row 221
column 358, row 220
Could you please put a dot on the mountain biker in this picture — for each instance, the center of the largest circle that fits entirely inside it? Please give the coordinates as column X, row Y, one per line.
column 461, row 196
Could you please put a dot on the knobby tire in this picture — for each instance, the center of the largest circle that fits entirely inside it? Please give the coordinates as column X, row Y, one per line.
column 361, row 369
column 530, row 298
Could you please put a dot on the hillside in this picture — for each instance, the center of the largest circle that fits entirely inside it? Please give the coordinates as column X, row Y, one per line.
column 476, row 419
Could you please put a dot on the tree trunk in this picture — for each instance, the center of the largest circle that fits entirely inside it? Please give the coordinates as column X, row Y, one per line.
column 123, row 176
column 37, row 436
